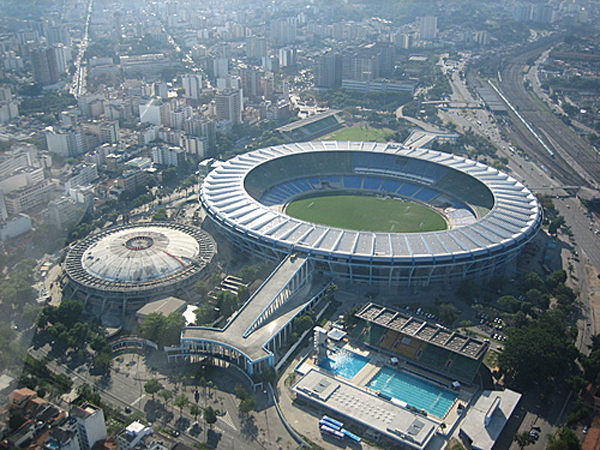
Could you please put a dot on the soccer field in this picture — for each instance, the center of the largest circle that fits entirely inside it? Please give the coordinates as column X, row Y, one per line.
column 360, row 133
column 367, row 213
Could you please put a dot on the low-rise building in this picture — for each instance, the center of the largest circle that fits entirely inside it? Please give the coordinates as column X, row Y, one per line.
column 31, row 197
column 14, row 227
column 64, row 213
column 133, row 435
column 168, row 156
column 164, row 306
column 133, row 180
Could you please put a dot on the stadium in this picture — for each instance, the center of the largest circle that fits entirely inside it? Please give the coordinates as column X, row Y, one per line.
column 127, row 266
column 488, row 216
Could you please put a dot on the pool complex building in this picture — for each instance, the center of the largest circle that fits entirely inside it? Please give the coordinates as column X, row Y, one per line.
column 396, row 381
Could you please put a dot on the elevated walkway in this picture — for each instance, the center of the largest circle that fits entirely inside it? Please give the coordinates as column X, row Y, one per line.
column 264, row 322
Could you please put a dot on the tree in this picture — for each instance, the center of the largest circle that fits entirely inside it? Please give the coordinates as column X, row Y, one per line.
column 181, row 401
column 164, row 330
column 240, row 392
column 86, row 394
column 169, row 175
column 522, row 439
column 153, row 386
column 63, row 383
column 205, row 314
column 247, row 405
column 103, row 362
column 153, row 326
column 210, row 415
column 166, row 395
column 201, row 288
column 16, row 419
column 555, row 279
column 330, row 291
column 540, row 350
column 565, row 439
column 509, row 303
column 195, row 410
column 210, row 386
column 227, row 303
column 556, row 224
column 303, row 323
column 531, row 280
column 160, row 215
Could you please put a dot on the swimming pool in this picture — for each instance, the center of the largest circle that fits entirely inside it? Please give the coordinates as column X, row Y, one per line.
column 344, row 363
column 413, row 390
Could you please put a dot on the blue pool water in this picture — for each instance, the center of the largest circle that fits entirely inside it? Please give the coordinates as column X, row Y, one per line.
column 344, row 363
column 413, row 390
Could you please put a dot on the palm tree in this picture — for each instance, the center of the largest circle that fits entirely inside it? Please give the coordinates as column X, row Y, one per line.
column 522, row 439
column 166, row 395
column 210, row 385
column 181, row 401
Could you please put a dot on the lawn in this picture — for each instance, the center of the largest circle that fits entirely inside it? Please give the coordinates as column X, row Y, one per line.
column 361, row 133
column 367, row 213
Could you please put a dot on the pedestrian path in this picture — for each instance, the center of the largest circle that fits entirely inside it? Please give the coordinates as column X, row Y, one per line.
column 228, row 420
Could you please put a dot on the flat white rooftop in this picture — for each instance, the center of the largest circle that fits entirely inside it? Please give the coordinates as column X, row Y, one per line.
column 493, row 407
column 364, row 407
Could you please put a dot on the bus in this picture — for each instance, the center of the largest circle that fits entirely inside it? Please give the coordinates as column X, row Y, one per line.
column 337, row 423
column 327, row 423
column 351, row 436
column 333, row 433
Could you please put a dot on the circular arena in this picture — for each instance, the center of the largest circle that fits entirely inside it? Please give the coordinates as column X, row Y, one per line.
column 129, row 265
column 490, row 216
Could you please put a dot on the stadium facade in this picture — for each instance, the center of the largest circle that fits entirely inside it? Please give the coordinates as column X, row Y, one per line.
column 491, row 216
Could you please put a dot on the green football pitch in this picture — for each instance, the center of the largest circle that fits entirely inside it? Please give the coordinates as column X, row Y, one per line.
column 367, row 213
column 360, row 133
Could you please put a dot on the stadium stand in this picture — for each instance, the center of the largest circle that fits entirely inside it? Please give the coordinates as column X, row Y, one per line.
column 463, row 368
column 466, row 188
column 434, row 357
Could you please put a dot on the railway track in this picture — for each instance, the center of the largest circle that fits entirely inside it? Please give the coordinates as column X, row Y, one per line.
column 570, row 160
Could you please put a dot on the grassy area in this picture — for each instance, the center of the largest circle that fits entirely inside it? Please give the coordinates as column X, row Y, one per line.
column 491, row 359
column 361, row 133
column 367, row 213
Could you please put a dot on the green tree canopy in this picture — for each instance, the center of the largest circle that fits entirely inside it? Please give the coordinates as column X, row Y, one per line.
column 160, row 215
column 164, row 330
column 540, row 350
column 303, row 323
column 509, row 303
column 181, row 401
column 153, row 386
column 210, row 415
column 166, row 395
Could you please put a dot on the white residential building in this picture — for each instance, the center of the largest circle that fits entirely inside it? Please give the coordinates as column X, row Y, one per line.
column 133, row 435
column 90, row 421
